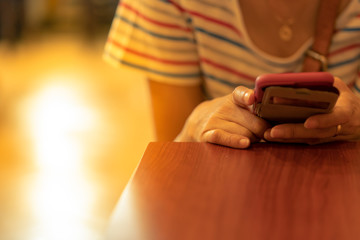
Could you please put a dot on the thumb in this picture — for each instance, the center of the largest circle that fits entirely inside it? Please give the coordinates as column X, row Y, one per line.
column 243, row 96
column 341, row 85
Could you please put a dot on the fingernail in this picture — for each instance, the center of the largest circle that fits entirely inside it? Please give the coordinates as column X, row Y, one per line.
column 277, row 133
column 311, row 124
column 246, row 96
column 267, row 135
column 245, row 142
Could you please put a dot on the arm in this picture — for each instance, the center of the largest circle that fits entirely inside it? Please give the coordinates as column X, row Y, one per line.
column 226, row 121
column 172, row 104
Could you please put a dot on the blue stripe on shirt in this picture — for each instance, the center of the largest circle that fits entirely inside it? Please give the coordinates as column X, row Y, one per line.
column 334, row 65
column 185, row 39
column 222, row 38
column 350, row 29
column 226, row 82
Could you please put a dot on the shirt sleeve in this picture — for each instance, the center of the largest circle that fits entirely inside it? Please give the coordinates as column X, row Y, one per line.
column 156, row 38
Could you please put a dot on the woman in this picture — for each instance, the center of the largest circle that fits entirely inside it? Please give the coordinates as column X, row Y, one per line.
column 201, row 58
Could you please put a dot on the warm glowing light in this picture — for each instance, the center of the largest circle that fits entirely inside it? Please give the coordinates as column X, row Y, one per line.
column 59, row 119
column 126, row 215
column 61, row 206
column 57, row 116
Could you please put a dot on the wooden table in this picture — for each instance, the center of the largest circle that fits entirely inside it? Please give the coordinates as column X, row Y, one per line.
column 270, row 191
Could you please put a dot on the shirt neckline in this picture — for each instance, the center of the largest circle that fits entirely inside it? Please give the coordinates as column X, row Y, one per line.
column 281, row 60
column 292, row 58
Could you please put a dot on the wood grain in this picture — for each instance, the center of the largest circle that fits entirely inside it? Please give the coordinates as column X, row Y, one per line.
column 270, row 191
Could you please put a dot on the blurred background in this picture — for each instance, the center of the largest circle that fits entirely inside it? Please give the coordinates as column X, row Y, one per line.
column 72, row 127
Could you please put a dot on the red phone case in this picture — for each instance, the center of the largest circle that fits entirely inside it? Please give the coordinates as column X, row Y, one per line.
column 310, row 93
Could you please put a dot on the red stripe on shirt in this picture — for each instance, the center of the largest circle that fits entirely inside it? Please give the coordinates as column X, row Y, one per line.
column 344, row 49
column 162, row 60
column 210, row 19
column 227, row 69
column 168, row 25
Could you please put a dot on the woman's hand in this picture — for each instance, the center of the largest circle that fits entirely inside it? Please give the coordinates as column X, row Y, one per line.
column 343, row 123
column 226, row 121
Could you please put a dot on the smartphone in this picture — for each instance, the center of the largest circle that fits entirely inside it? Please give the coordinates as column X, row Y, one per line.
column 293, row 97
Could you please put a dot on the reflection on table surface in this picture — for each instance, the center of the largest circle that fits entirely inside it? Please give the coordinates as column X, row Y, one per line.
column 71, row 133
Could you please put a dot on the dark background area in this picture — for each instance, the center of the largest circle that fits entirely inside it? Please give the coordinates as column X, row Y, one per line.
column 28, row 18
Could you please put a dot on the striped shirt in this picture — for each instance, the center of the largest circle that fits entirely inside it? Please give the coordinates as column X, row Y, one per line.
column 205, row 42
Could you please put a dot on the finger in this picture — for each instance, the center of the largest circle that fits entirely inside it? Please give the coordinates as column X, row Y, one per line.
column 243, row 96
column 341, row 114
column 255, row 124
column 310, row 141
column 245, row 119
column 341, row 85
column 298, row 131
column 327, row 120
column 231, row 127
column 221, row 137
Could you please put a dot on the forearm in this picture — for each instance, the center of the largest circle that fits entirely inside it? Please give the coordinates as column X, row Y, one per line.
column 171, row 105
